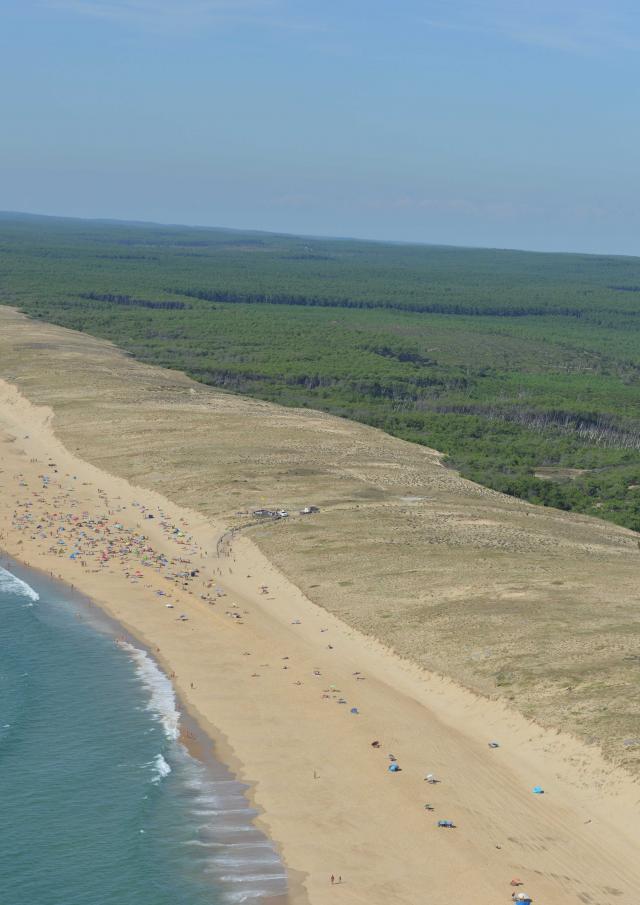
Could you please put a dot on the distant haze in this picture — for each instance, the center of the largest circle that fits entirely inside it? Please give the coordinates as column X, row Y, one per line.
column 498, row 123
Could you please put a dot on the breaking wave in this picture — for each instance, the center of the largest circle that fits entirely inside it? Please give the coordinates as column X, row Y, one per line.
column 234, row 853
column 162, row 698
column 161, row 768
column 11, row 584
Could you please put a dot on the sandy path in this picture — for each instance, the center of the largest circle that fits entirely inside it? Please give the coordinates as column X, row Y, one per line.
column 326, row 795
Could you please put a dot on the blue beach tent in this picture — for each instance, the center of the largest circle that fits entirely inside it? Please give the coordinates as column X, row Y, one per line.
column 393, row 768
column 538, row 790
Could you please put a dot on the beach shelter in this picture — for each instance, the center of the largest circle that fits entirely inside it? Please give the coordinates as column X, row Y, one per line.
column 393, row 768
column 538, row 790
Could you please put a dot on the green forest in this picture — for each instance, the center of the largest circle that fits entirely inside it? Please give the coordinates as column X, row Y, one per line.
column 523, row 368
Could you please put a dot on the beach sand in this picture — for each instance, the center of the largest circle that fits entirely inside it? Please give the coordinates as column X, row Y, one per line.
column 526, row 603
column 268, row 688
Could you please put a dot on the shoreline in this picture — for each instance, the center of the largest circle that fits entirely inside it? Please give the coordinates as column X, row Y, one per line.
column 199, row 744
column 426, row 719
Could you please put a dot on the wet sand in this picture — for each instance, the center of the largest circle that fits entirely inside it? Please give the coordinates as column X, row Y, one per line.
column 217, row 826
column 269, row 687
column 524, row 603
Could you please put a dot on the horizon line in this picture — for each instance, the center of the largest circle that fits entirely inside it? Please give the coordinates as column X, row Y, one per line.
column 314, row 236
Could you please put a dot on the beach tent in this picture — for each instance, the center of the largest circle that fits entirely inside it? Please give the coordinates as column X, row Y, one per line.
column 538, row 790
column 393, row 768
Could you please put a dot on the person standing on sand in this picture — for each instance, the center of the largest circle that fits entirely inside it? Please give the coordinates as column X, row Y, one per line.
column 333, row 879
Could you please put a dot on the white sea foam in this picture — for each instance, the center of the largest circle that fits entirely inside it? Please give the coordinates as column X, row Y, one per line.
column 250, row 878
column 228, row 861
column 247, row 895
column 161, row 768
column 162, row 698
column 247, row 870
column 11, row 584
column 225, row 801
column 212, row 812
column 229, row 845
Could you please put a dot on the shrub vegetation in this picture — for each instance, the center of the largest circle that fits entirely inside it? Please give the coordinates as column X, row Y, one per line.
column 523, row 368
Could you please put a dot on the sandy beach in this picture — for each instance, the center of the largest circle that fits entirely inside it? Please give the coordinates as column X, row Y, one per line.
column 294, row 697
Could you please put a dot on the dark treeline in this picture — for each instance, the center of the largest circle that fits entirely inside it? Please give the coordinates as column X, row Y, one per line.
column 411, row 355
column 281, row 298
column 523, row 369
column 114, row 299
column 602, row 430
column 395, row 391
column 127, row 257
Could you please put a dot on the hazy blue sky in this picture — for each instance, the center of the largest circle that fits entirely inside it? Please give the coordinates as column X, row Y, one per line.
column 484, row 122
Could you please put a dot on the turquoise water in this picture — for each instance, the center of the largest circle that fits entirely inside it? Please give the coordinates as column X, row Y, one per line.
column 100, row 804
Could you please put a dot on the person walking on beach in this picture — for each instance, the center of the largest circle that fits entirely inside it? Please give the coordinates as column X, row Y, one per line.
column 333, row 879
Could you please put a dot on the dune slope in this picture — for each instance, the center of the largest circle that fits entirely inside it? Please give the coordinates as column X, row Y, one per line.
column 531, row 604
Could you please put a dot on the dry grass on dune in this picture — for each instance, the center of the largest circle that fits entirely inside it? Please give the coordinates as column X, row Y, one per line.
column 535, row 605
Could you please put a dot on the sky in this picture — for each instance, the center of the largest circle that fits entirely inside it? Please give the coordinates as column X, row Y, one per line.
column 498, row 123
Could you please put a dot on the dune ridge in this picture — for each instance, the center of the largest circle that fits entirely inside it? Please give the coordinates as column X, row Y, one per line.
column 392, row 520
column 533, row 605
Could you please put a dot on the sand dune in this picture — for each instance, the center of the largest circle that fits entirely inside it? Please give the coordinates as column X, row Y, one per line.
column 528, row 604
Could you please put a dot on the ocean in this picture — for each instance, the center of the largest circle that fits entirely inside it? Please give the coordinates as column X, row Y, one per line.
column 100, row 802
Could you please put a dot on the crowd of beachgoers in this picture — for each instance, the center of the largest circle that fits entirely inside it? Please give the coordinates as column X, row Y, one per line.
column 97, row 541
